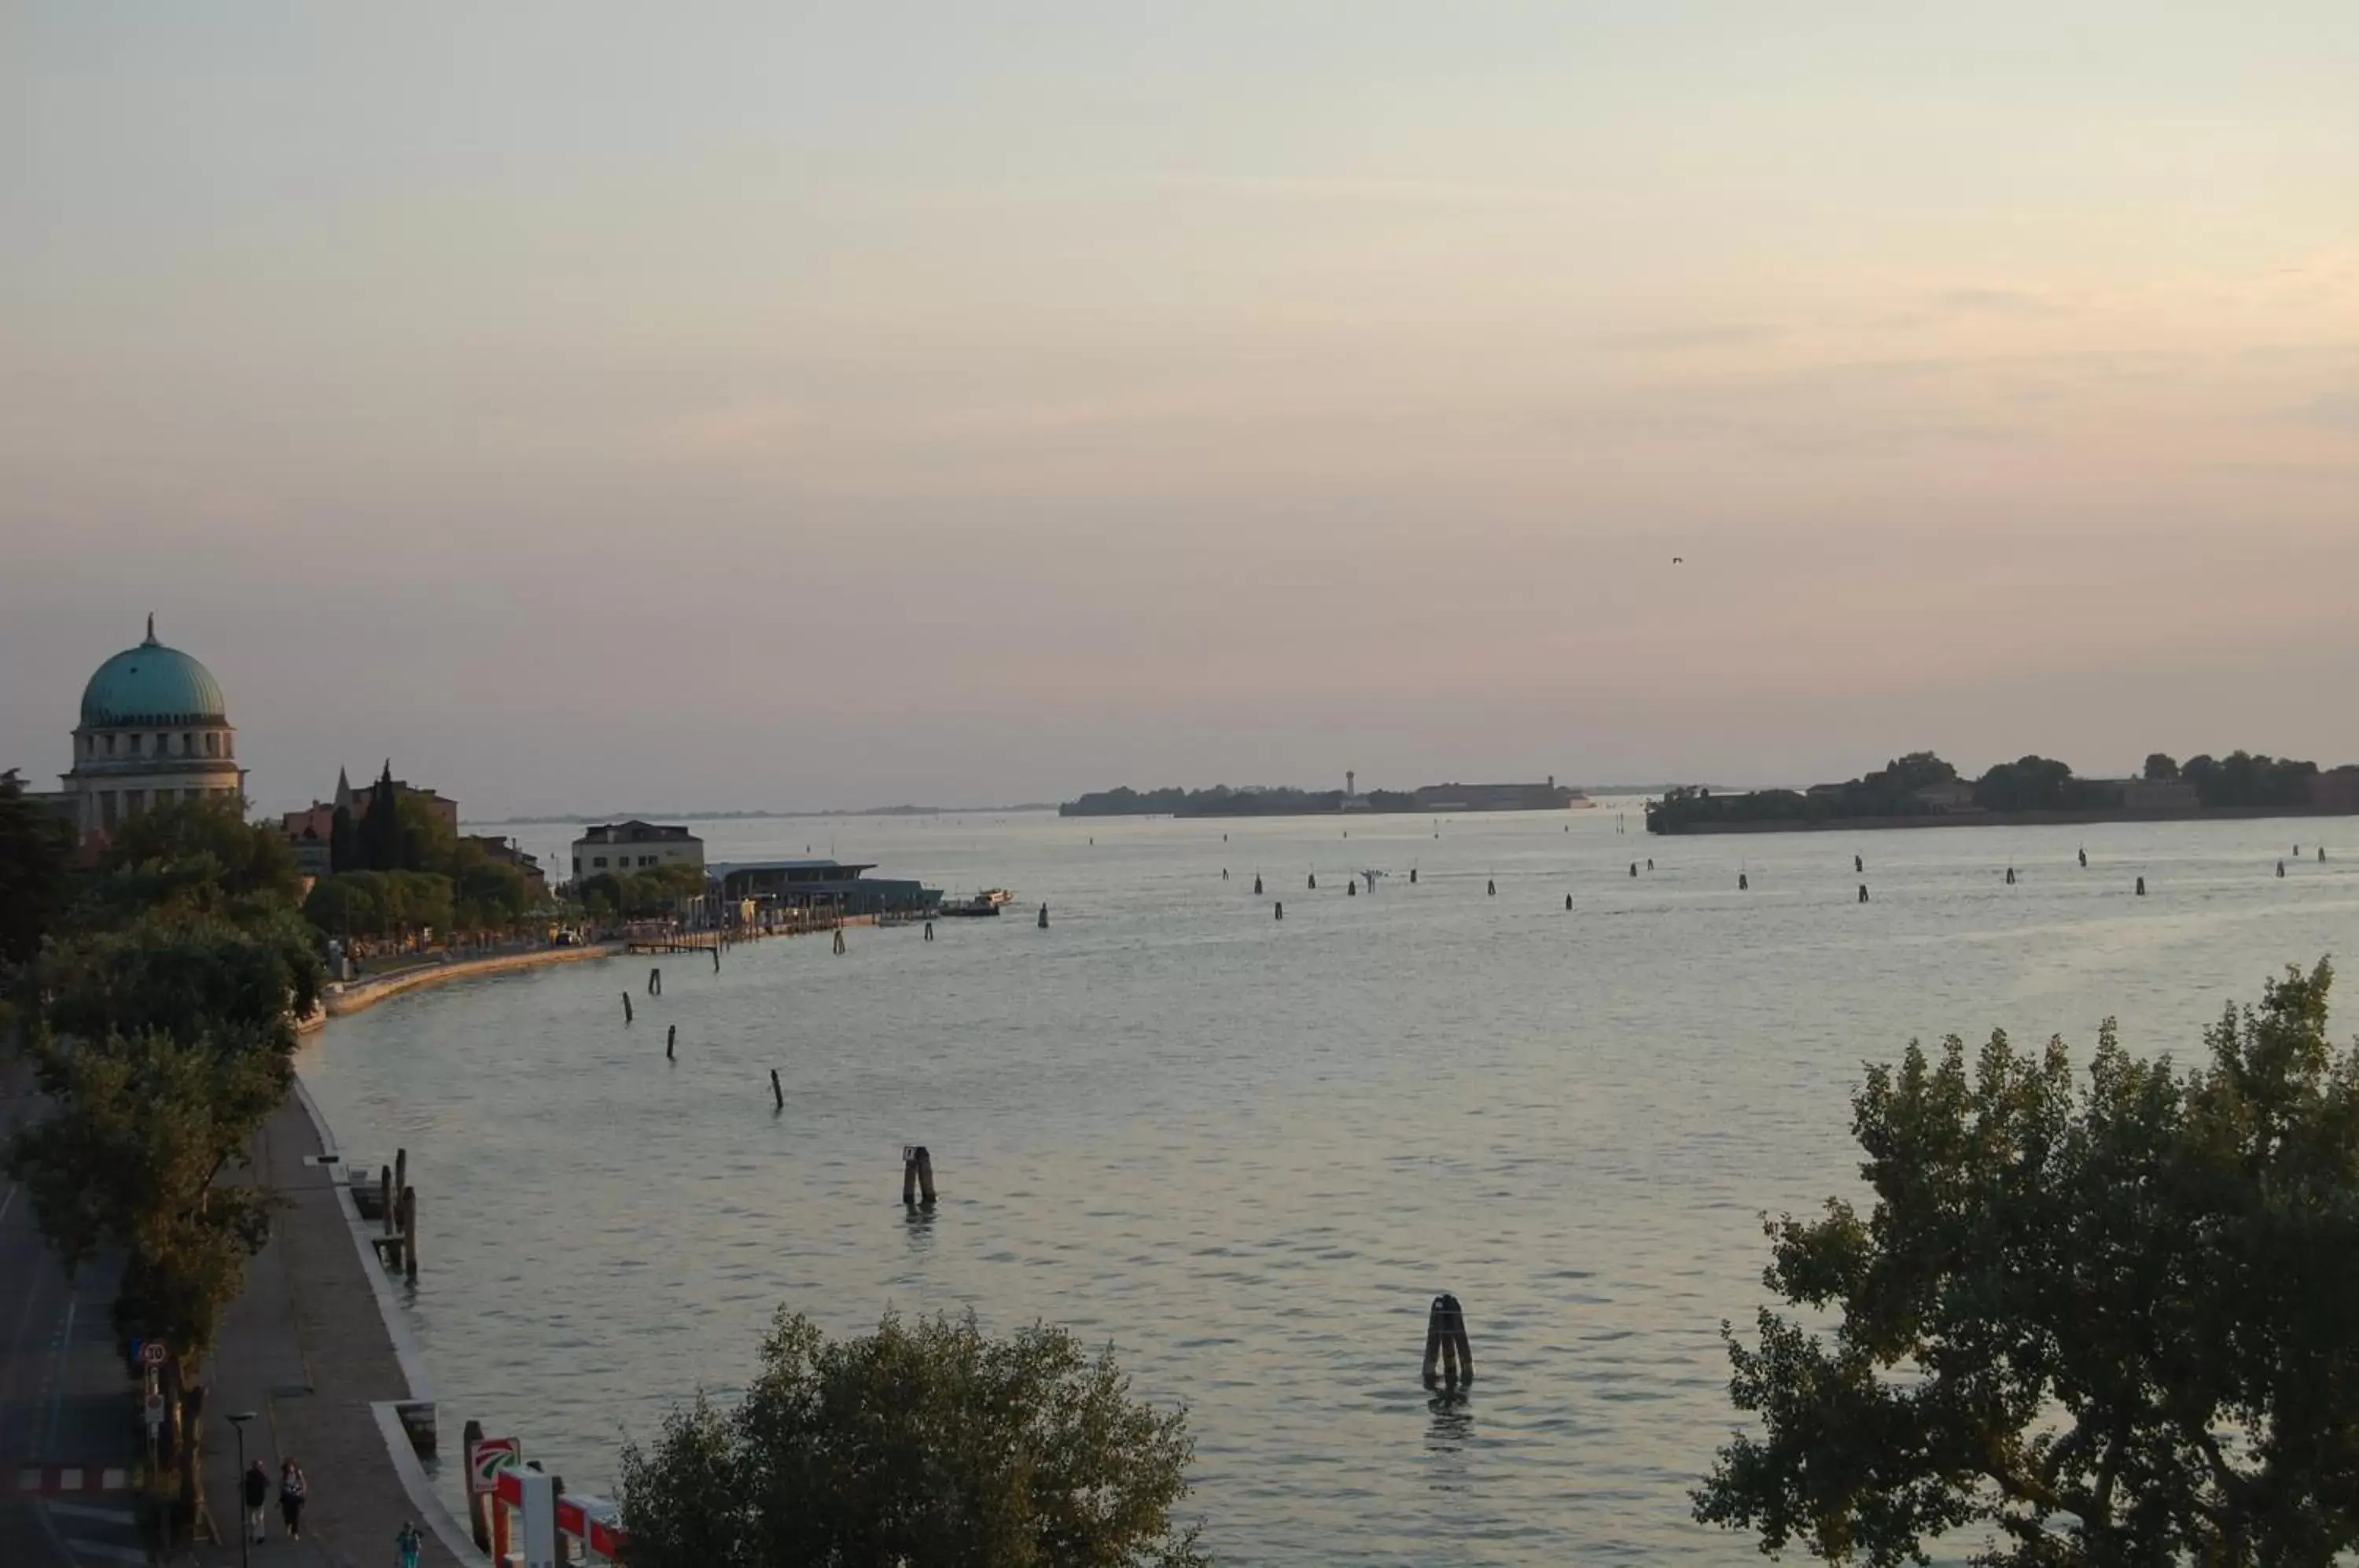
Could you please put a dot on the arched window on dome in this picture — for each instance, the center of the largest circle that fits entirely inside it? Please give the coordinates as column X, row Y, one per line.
column 213, row 743
column 109, row 745
column 229, row 744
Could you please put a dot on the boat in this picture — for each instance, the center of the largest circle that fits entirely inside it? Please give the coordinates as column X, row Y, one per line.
column 983, row 904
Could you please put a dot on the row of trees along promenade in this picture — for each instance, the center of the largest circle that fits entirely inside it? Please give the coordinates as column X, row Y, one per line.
column 2090, row 1317
column 1921, row 787
column 155, row 993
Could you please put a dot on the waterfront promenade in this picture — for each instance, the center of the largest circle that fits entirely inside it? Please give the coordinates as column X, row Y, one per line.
column 306, row 1349
column 361, row 995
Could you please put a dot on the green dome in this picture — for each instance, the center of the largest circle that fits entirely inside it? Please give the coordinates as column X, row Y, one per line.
column 152, row 684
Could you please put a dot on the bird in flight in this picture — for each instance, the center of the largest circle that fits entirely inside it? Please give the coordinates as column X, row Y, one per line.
column 1679, row 561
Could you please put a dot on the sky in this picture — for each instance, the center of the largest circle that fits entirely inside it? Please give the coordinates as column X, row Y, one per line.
column 603, row 406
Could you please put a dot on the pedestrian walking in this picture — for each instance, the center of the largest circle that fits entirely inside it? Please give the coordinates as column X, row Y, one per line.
column 255, row 1491
column 410, row 1543
column 291, row 1493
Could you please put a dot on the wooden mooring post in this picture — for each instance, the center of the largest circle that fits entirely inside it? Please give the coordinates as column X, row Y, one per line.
column 778, row 1094
column 917, row 1176
column 409, row 1233
column 655, row 981
column 1449, row 1357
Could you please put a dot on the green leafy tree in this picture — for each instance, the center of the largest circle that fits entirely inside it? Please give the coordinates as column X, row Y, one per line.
column 2107, row 1324
column 187, row 977
column 145, row 1125
column 642, row 895
column 344, row 841
column 2161, row 768
column 428, row 843
column 2246, row 780
column 927, row 1445
column 34, row 845
column 347, row 905
column 1907, row 775
column 140, row 1129
column 489, row 894
column 200, row 855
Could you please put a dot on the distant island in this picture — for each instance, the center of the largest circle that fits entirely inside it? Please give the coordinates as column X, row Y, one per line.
column 1220, row 800
column 759, row 816
column 1921, row 790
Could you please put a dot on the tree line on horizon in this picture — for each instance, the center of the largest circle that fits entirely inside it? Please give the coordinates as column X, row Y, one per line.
column 2241, row 780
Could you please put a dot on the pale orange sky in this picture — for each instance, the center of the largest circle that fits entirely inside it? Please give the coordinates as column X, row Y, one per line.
column 595, row 407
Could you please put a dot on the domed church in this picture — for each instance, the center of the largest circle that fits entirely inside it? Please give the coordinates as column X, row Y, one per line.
column 154, row 731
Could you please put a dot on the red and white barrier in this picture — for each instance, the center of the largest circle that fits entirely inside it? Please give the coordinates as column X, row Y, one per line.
column 588, row 1519
column 57, row 1480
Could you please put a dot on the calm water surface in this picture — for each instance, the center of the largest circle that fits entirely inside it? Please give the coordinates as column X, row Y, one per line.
column 1247, row 1153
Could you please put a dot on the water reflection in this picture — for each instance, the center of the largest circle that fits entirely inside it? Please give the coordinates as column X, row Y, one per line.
column 1446, row 1437
column 918, row 1225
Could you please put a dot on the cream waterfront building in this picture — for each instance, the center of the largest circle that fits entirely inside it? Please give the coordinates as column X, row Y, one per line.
column 154, row 731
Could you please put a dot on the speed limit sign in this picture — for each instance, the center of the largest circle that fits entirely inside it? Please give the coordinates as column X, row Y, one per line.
column 152, row 1353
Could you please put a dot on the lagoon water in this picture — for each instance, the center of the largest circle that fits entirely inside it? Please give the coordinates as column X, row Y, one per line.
column 1247, row 1153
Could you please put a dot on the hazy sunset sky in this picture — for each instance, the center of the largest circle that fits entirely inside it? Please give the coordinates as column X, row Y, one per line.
column 686, row 406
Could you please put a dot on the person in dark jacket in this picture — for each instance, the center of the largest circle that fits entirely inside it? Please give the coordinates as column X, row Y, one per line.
column 255, row 1492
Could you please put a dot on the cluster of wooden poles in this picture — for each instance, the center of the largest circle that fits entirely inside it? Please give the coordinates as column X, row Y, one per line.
column 396, row 1208
column 1743, row 881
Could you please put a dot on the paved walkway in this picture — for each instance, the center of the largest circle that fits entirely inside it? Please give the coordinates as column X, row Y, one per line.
column 306, row 1350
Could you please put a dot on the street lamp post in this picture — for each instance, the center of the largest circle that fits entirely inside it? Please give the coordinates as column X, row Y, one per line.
column 245, row 1533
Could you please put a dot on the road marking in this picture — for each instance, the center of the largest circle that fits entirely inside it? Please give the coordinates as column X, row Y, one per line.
column 97, row 1515
column 57, row 1399
column 112, row 1553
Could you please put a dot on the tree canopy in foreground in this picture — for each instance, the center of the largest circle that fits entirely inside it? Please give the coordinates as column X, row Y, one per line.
column 927, row 1445
column 2109, row 1323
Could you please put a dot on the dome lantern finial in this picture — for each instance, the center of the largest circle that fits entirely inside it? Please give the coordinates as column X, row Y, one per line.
column 151, row 631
